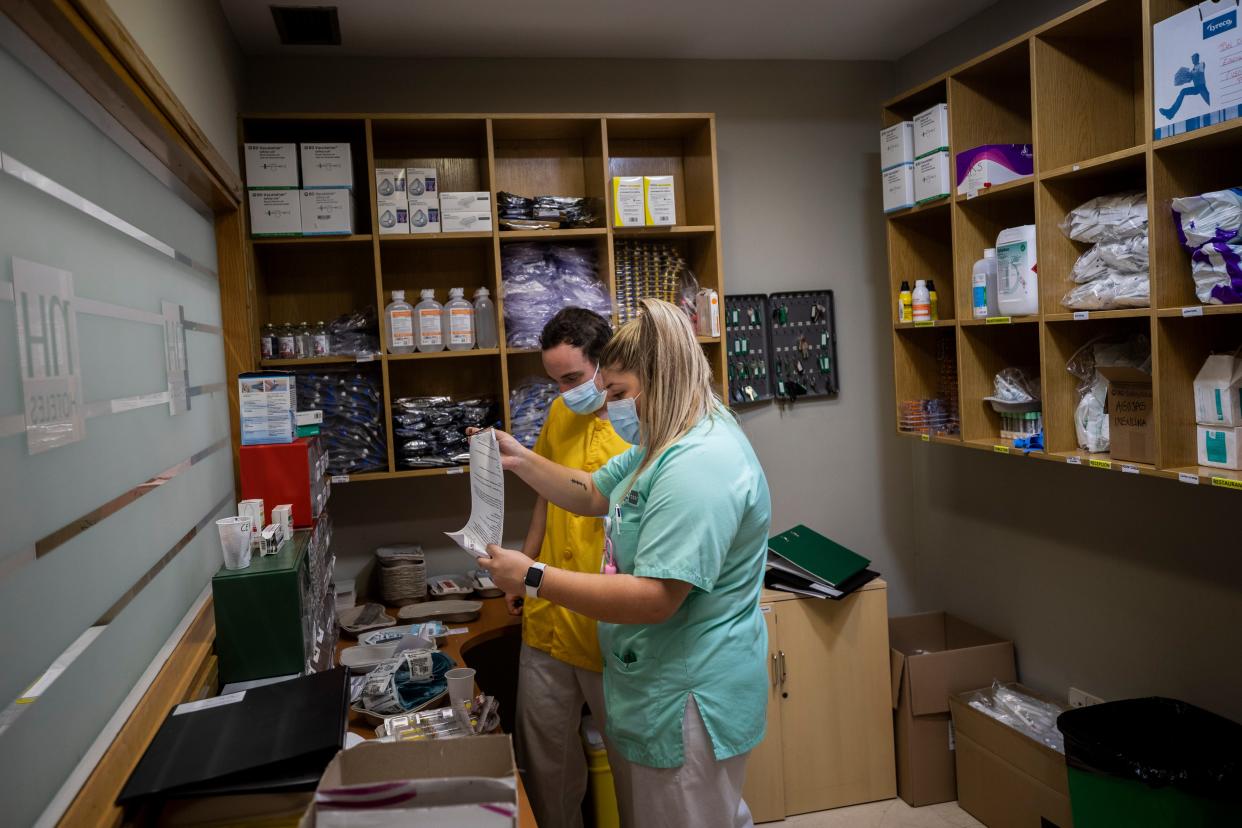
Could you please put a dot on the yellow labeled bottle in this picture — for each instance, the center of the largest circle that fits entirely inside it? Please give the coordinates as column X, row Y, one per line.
column 905, row 304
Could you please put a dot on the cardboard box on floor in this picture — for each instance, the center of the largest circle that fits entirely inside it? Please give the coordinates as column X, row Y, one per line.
column 1131, row 417
column 1006, row 779
column 460, row 775
column 934, row 656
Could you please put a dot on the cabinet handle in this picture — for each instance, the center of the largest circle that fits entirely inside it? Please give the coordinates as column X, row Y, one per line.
column 783, row 673
column 772, row 669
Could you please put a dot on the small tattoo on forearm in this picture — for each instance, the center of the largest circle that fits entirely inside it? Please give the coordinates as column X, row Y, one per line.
column 578, row 483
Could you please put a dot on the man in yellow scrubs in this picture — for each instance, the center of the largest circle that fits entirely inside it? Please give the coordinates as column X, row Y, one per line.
column 561, row 663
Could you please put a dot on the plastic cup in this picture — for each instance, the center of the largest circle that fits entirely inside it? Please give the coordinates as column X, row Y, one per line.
column 460, row 686
column 235, row 541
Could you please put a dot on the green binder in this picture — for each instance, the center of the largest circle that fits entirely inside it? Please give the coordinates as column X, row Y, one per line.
column 808, row 554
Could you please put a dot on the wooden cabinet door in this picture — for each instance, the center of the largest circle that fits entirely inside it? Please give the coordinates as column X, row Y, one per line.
column 836, row 715
column 764, row 790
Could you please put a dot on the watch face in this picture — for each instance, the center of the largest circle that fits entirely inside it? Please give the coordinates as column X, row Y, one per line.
column 534, row 576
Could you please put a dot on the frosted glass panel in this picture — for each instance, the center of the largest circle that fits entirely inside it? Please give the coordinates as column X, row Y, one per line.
column 111, row 355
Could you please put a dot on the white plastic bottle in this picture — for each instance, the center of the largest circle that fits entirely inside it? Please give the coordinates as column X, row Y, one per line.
column 458, row 321
column 400, row 328
column 429, row 326
column 983, row 286
column 484, row 319
column 921, row 300
column 1017, row 275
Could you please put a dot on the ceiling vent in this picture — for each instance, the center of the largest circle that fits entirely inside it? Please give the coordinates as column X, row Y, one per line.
column 307, row 25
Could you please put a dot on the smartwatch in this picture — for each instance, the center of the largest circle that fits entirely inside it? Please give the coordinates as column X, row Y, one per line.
column 534, row 577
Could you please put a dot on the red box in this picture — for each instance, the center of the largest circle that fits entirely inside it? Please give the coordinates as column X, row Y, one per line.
column 287, row 473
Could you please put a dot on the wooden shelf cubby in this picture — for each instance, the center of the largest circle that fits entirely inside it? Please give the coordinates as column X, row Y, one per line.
column 1077, row 89
column 298, row 279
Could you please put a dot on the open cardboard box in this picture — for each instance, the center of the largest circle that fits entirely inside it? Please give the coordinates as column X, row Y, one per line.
column 934, row 656
column 1006, row 779
column 443, row 783
column 1131, row 414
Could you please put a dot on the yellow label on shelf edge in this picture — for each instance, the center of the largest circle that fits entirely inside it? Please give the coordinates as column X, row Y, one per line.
column 1101, row 464
column 1227, row 483
column 1001, row 449
column 926, row 438
column 930, row 323
column 998, row 320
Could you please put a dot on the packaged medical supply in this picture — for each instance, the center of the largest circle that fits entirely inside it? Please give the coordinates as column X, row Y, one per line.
column 394, row 219
column 283, row 514
column 399, row 316
column 1112, row 292
column 354, row 431
column 270, row 539
column 659, row 201
column 274, row 213
column 458, row 321
column 327, row 212
column 429, row 323
column 430, row 432
column 1218, row 391
column 252, row 510
column 541, row 278
column 1109, row 218
column 993, row 164
column 1217, row 272
column 897, row 145
column 652, row 269
column 931, row 131
column 390, row 185
column 1123, row 257
column 1091, row 415
column 266, row 406
column 528, row 408
column 708, row 307
column 465, row 202
column 484, row 319
column 627, row 201
column 1194, row 59
column 1210, row 217
column 455, row 222
column 983, row 286
column 271, row 165
column 1218, row 447
column 905, row 303
column 898, row 186
column 422, row 185
column 921, row 301
column 326, row 165
column 355, row 334
column 931, row 178
column 1017, row 276
column 424, row 218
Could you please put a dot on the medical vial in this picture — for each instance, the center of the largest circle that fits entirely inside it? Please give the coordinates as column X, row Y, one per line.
column 484, row 319
column 286, row 342
column 267, row 342
column 921, row 301
column 400, row 328
column 458, row 321
column 429, row 330
column 319, row 340
column 302, row 340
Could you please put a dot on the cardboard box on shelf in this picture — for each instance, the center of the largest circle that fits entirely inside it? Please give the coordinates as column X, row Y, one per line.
column 424, row 218
column 931, row 131
column 1006, row 779
column 271, row 165
column 390, row 185
column 275, row 212
column 480, row 202
column 394, row 219
column 436, row 783
column 1194, row 56
column 1219, row 447
column 897, row 145
column 423, row 183
column 466, row 222
column 327, row 212
column 627, row 201
column 326, row 165
column 659, row 201
column 1131, row 419
column 898, row 188
column 1218, row 392
column 993, row 164
column 931, row 178
column 934, row 656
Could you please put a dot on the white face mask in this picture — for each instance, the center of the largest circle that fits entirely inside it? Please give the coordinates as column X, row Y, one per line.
column 623, row 414
column 585, row 398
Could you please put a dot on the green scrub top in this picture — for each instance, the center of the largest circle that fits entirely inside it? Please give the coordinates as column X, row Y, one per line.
column 700, row 514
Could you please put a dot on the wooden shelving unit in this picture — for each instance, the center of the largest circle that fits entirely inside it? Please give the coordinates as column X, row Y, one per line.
column 1076, row 88
column 311, row 279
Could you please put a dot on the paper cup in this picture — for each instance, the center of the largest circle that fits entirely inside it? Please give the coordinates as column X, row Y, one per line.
column 460, row 686
column 235, row 541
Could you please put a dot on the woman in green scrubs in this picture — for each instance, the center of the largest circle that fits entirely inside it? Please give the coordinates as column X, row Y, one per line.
column 678, row 604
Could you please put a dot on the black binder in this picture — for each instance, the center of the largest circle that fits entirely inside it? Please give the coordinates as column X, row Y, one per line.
column 273, row 739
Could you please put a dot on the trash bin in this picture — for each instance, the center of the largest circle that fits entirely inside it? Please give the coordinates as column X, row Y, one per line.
column 1152, row 762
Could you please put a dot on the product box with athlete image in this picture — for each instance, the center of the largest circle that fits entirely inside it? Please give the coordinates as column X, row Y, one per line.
column 1197, row 68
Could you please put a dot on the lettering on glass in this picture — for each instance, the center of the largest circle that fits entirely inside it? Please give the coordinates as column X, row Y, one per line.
column 175, row 362
column 47, row 348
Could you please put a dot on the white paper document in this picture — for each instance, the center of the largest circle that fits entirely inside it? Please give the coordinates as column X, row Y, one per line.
column 487, row 497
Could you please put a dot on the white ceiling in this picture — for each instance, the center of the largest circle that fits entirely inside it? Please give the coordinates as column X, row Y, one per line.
column 720, row 29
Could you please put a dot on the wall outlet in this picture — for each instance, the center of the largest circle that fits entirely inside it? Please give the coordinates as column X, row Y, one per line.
column 1081, row 698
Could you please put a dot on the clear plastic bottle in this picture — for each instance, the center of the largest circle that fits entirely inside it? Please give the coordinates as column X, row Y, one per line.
column 458, row 321
column 429, row 324
column 484, row 319
column 921, row 301
column 400, row 324
column 267, row 342
column 983, row 286
column 306, row 348
column 286, row 342
column 321, row 344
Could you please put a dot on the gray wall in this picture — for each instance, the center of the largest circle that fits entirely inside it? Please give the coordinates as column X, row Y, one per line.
column 1120, row 586
column 800, row 209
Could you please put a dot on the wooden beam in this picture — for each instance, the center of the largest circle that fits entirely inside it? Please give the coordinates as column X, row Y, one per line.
column 238, row 313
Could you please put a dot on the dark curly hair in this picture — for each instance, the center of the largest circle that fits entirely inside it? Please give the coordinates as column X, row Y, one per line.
column 580, row 328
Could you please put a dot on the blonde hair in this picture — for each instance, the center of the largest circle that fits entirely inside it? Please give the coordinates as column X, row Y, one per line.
column 661, row 349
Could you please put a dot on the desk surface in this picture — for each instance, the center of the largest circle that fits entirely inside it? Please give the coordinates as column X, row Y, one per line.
column 491, row 623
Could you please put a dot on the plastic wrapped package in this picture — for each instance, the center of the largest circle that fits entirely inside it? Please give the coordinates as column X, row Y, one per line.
column 1024, row 713
column 1015, row 385
column 430, row 432
column 653, row 270
column 1109, row 218
column 1123, row 257
column 355, row 333
column 1116, row 290
column 529, row 402
column 540, row 279
column 353, row 430
column 545, row 212
column 1217, row 270
column 1210, row 217
column 1091, row 415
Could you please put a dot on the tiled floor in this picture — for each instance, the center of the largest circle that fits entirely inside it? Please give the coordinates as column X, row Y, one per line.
column 891, row 814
